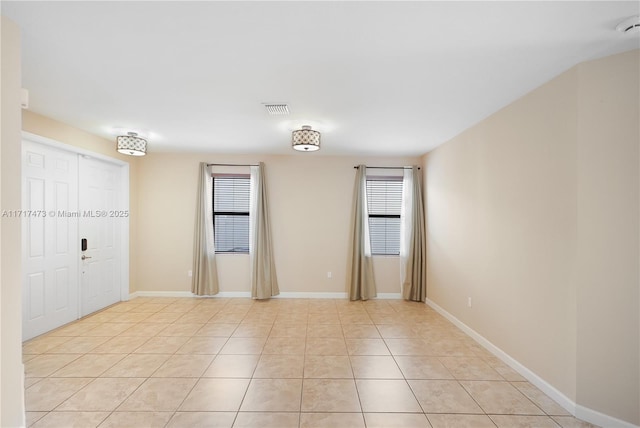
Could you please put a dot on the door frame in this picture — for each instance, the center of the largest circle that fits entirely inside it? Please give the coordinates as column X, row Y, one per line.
column 124, row 203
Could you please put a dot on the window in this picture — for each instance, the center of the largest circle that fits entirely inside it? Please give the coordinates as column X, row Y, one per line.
column 231, row 213
column 384, row 200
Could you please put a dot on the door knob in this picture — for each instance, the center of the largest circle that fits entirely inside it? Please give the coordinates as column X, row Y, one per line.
column 85, row 257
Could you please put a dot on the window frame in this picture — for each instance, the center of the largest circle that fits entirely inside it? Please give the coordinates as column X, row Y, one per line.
column 228, row 213
column 393, row 178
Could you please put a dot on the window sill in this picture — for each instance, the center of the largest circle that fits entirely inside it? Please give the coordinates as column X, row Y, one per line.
column 232, row 254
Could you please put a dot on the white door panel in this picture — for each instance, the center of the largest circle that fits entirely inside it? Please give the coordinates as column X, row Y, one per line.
column 100, row 225
column 50, row 238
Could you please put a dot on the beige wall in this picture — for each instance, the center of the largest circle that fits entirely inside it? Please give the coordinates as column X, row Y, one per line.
column 533, row 213
column 11, row 368
column 607, row 277
column 310, row 198
column 63, row 133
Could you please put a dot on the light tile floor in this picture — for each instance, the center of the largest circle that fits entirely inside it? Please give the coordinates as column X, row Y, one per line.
column 223, row 362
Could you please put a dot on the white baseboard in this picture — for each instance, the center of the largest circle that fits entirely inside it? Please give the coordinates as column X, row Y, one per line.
column 315, row 295
column 160, row 294
column 578, row 411
column 601, row 419
column 310, row 295
column 389, row 296
column 186, row 294
column 232, row 294
column 282, row 295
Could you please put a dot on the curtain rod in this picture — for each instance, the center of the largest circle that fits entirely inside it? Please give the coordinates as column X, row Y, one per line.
column 231, row 164
column 386, row 167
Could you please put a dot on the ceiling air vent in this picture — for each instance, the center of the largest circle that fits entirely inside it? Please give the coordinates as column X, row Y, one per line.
column 276, row 109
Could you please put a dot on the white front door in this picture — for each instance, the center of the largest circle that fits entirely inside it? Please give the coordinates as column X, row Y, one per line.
column 50, row 247
column 100, row 225
column 67, row 196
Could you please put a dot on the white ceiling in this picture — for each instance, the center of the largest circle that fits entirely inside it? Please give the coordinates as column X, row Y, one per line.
column 376, row 78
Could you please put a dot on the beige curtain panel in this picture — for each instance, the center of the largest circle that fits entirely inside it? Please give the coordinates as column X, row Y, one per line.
column 205, row 272
column 413, row 245
column 264, row 283
column 362, row 285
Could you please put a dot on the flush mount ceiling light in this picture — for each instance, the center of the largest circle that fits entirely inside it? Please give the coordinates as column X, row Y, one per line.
column 131, row 144
column 630, row 25
column 305, row 139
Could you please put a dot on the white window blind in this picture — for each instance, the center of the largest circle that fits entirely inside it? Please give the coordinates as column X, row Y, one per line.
column 231, row 213
column 384, row 201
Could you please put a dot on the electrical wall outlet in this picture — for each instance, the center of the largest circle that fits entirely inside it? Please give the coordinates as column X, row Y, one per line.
column 329, row 274
column 189, row 273
column 469, row 301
